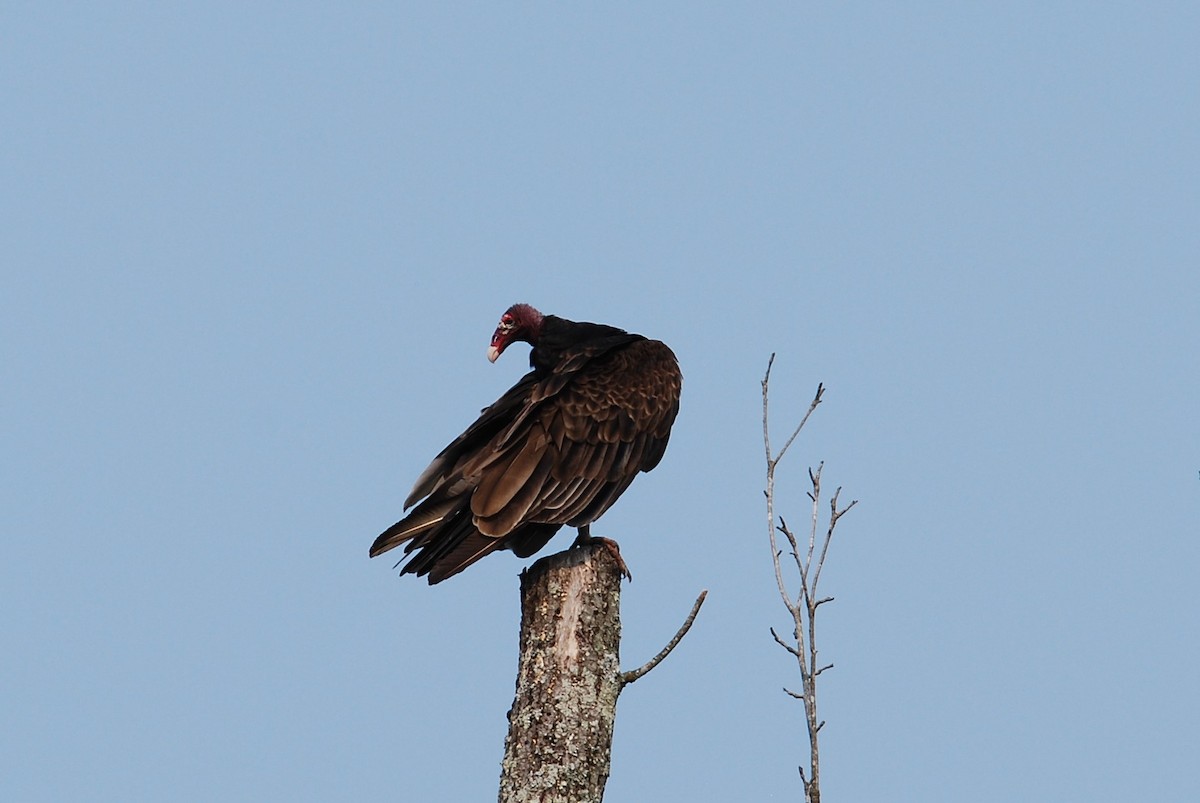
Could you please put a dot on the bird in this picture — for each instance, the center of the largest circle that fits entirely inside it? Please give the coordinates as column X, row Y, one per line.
column 558, row 448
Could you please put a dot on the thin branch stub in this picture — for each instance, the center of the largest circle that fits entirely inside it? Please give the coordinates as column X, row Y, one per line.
column 631, row 676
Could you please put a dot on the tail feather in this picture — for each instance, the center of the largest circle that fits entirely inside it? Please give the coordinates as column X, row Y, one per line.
column 449, row 549
column 471, row 549
column 442, row 544
column 418, row 522
column 454, row 554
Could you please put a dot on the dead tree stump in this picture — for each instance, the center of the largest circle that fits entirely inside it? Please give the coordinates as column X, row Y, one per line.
column 559, row 743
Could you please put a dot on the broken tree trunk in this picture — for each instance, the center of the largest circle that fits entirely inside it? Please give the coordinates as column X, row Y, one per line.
column 559, row 744
column 560, row 729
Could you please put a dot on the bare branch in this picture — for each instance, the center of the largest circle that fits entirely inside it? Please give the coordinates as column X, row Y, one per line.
column 791, row 537
column 784, row 644
column 816, row 400
column 630, row 677
column 770, row 489
column 766, row 434
column 834, row 515
column 809, row 562
column 815, row 496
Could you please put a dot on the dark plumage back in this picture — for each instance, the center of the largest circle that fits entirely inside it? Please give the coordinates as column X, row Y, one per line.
column 558, row 448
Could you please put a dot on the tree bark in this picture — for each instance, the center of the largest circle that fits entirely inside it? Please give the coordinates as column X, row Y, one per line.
column 559, row 743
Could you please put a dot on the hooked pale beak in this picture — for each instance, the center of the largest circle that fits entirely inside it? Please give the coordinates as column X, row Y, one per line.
column 493, row 353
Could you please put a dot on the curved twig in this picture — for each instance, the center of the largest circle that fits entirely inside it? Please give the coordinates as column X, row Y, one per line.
column 631, row 676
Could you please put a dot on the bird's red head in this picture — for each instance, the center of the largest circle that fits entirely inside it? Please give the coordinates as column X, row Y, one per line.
column 520, row 322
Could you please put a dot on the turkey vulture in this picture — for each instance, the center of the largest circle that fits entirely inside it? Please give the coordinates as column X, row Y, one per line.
column 558, row 448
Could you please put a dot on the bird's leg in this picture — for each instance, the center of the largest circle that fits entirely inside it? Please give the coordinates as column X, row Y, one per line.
column 585, row 535
column 585, row 538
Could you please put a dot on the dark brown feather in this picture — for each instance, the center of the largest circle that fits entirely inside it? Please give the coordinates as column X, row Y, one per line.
column 557, row 449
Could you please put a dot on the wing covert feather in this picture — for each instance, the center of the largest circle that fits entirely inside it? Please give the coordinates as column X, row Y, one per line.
column 558, row 448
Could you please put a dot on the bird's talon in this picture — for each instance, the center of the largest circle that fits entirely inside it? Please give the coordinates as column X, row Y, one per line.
column 586, row 539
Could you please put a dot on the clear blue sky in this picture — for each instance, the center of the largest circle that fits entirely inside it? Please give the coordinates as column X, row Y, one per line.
column 253, row 254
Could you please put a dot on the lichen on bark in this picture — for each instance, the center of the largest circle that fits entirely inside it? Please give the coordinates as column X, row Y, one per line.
column 559, row 743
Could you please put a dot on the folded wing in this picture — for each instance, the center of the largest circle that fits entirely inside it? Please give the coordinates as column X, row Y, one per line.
column 557, row 449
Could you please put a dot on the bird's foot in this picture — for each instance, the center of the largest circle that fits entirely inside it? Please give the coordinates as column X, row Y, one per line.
column 585, row 538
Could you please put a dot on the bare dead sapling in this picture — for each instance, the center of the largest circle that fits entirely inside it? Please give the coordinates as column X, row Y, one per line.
column 807, row 560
